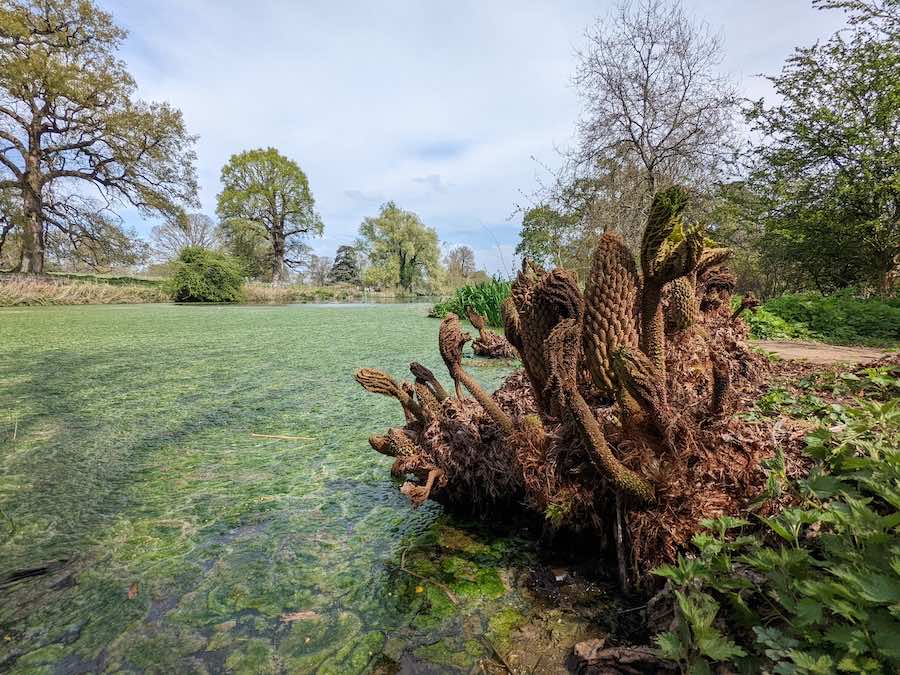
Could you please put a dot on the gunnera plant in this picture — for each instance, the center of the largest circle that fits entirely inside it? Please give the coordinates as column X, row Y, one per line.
column 621, row 423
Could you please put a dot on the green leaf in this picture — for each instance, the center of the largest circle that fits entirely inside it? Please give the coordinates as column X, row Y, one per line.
column 717, row 647
column 670, row 646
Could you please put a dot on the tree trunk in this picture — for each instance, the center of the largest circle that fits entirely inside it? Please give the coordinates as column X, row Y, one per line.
column 277, row 258
column 32, row 234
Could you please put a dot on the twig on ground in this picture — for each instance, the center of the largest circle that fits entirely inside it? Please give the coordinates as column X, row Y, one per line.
column 283, row 438
column 443, row 587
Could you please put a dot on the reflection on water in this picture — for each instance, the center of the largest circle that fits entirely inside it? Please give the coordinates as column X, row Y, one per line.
column 145, row 529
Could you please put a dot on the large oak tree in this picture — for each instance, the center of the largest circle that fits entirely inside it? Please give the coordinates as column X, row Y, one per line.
column 266, row 195
column 75, row 142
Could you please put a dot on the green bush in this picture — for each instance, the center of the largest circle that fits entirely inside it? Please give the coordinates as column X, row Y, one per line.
column 816, row 588
column 839, row 319
column 202, row 275
column 484, row 297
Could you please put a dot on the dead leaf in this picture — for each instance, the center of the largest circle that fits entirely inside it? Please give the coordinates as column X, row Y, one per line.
column 133, row 590
column 305, row 615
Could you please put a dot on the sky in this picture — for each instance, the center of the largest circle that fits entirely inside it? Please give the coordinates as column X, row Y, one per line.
column 450, row 109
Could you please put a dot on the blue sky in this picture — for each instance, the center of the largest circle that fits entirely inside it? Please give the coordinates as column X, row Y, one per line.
column 440, row 107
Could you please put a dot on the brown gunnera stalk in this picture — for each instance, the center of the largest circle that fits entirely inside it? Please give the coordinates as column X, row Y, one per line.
column 450, row 341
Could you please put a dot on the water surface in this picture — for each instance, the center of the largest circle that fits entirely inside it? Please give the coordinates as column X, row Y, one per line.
column 144, row 528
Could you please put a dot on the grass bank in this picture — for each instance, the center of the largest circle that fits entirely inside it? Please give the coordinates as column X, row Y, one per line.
column 82, row 289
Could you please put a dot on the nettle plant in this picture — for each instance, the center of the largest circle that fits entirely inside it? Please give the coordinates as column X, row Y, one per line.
column 818, row 589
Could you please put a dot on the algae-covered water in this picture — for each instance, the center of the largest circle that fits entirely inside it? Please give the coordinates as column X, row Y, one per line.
column 145, row 529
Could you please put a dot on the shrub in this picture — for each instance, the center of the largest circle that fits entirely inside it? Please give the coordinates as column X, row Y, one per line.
column 840, row 319
column 202, row 275
column 485, row 297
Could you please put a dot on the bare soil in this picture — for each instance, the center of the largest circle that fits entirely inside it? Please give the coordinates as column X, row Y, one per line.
column 815, row 352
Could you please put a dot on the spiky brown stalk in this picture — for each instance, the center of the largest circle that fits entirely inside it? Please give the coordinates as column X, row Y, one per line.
column 425, row 376
column 563, row 348
column 554, row 298
column 639, row 377
column 682, row 309
column 489, row 343
column 451, row 339
column 610, row 318
column 379, row 382
column 419, row 494
column 396, row 443
column 511, row 323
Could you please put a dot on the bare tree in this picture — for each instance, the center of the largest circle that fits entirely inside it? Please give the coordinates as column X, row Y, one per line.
column 655, row 110
column 460, row 262
column 192, row 229
column 317, row 269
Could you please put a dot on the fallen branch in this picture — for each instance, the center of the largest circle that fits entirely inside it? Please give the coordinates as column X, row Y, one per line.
column 283, row 438
column 443, row 587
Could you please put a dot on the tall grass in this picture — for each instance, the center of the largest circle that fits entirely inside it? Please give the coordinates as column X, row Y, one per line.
column 266, row 294
column 18, row 291
column 485, row 298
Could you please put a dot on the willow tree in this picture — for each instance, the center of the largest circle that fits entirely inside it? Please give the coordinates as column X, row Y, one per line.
column 403, row 251
column 265, row 193
column 76, row 142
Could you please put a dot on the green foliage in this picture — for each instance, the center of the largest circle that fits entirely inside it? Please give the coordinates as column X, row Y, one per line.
column 485, row 298
column 267, row 211
column 72, row 124
column 840, row 318
column 829, row 165
column 345, row 269
column 815, row 588
column 548, row 236
column 402, row 250
column 202, row 275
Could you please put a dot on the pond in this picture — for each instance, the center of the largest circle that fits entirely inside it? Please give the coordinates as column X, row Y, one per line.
column 145, row 528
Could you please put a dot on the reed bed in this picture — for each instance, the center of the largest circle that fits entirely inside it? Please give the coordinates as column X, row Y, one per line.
column 19, row 292
column 266, row 294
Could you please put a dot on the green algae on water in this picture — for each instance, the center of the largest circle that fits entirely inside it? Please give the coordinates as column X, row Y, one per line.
column 175, row 541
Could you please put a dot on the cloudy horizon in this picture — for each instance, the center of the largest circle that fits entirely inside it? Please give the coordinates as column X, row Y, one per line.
column 450, row 111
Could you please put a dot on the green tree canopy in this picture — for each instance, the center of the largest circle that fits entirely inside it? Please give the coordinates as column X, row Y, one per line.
column 76, row 142
column 266, row 197
column 403, row 251
column 549, row 236
column 829, row 165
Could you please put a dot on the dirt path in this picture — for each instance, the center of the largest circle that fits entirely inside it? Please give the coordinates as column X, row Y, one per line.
column 815, row 352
